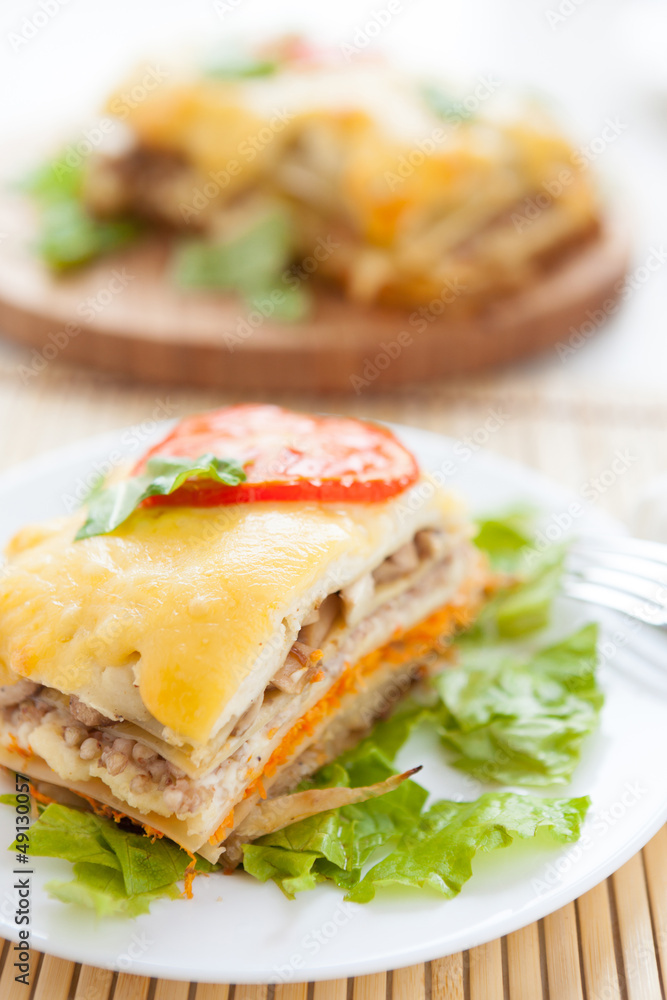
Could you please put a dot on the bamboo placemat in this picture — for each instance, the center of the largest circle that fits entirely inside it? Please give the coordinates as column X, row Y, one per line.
column 611, row 944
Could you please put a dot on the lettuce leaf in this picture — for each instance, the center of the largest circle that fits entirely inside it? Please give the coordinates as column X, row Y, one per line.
column 117, row 871
column 102, row 889
column 286, row 303
column 336, row 844
column 438, row 853
column 62, row 832
column 520, row 718
column 512, row 714
column 505, row 539
column 70, row 235
column 523, row 605
column 252, row 265
column 433, row 849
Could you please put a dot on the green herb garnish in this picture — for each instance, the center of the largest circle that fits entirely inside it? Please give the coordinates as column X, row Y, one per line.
column 240, row 68
column 445, row 105
column 252, row 264
column 110, row 507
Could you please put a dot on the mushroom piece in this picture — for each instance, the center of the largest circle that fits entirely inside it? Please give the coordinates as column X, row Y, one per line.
column 87, row 715
column 431, row 543
column 159, row 770
column 297, row 668
column 358, row 592
column 403, row 561
column 315, row 632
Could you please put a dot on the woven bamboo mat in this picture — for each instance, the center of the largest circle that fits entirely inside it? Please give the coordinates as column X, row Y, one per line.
column 611, row 944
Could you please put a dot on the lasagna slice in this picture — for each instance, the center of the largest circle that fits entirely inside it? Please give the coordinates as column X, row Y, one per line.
column 389, row 188
column 217, row 647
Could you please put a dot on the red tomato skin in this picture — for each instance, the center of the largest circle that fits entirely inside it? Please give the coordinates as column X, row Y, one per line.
column 288, row 456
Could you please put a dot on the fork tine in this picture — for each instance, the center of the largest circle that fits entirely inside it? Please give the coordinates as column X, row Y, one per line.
column 637, row 566
column 618, row 600
column 653, row 551
column 635, row 586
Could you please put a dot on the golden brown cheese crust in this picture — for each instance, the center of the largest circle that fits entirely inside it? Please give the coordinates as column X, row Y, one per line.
column 175, row 610
column 419, row 207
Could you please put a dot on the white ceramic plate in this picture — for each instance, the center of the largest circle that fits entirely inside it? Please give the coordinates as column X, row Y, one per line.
column 237, row 930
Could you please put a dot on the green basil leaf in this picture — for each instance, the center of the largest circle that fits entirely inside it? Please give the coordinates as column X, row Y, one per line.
column 253, row 264
column 109, row 508
column 251, row 261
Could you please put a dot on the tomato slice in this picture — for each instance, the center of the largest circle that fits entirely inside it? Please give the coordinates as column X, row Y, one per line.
column 288, row 456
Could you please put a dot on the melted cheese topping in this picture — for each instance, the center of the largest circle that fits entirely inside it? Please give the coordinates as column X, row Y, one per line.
column 179, row 603
column 372, row 142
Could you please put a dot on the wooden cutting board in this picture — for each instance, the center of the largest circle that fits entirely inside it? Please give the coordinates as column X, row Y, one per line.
column 122, row 315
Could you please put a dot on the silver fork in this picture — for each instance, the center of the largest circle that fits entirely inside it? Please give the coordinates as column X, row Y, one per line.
column 624, row 574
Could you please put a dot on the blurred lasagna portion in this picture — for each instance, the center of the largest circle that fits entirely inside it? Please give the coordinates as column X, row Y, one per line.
column 392, row 190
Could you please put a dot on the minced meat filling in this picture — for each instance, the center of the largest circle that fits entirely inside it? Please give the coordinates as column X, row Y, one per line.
column 114, row 753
